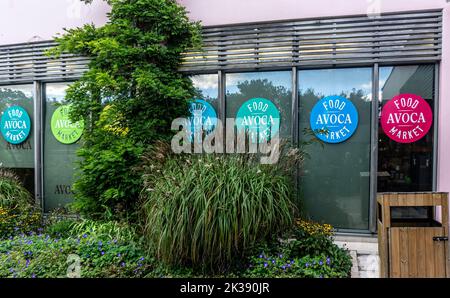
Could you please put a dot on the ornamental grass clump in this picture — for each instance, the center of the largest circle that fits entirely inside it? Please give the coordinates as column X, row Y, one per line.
column 12, row 193
column 206, row 211
column 18, row 212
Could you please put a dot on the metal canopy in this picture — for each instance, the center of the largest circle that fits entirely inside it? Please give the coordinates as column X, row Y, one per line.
column 390, row 38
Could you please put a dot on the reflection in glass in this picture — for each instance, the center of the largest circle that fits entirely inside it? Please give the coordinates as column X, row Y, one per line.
column 334, row 184
column 207, row 88
column 275, row 86
column 19, row 158
column 59, row 159
column 405, row 166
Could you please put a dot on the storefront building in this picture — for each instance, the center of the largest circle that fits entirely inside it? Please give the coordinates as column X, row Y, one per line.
column 380, row 69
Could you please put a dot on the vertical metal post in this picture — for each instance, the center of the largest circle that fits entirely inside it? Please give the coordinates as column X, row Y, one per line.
column 374, row 149
column 294, row 113
column 436, row 128
column 37, row 130
column 222, row 105
column 295, row 130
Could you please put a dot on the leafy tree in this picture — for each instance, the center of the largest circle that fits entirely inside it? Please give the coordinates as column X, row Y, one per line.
column 128, row 97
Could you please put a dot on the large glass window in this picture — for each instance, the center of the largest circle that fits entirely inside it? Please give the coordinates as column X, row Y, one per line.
column 334, row 183
column 207, row 88
column 274, row 86
column 20, row 157
column 59, row 159
column 405, row 166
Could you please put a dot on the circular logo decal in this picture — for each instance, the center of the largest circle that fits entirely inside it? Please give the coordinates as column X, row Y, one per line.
column 63, row 129
column 406, row 118
column 15, row 125
column 260, row 118
column 334, row 119
column 203, row 116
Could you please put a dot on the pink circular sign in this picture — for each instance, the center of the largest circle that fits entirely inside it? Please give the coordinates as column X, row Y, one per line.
column 406, row 118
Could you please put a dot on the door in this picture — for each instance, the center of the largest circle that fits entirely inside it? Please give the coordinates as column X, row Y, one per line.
column 416, row 252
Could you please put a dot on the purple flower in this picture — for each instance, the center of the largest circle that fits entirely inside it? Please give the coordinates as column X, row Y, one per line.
column 100, row 243
column 320, row 263
column 84, row 235
column 307, row 265
column 273, row 261
column 33, row 276
column 260, row 256
column 283, row 267
column 122, row 264
column 289, row 265
column 265, row 265
column 328, row 261
column 119, row 254
column 103, row 253
column 280, row 255
column 28, row 263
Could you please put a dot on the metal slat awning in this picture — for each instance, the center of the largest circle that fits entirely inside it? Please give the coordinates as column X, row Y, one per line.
column 412, row 37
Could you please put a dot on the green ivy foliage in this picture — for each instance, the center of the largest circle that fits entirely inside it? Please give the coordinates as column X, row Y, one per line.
column 128, row 97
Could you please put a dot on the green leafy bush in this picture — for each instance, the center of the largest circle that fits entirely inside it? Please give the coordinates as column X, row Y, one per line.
column 306, row 250
column 207, row 210
column 128, row 98
column 312, row 239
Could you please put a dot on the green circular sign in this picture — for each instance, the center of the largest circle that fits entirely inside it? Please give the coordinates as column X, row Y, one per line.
column 63, row 129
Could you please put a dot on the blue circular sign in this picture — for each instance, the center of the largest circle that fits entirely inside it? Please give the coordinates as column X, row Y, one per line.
column 260, row 118
column 334, row 119
column 203, row 116
column 15, row 125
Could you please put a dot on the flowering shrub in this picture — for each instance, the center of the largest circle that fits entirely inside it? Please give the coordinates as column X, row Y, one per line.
column 14, row 221
column 39, row 255
column 284, row 266
column 313, row 228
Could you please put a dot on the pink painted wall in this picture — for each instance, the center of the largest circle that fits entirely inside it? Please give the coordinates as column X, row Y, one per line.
column 34, row 20
column 216, row 12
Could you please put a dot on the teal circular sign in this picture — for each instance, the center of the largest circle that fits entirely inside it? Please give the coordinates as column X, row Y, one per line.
column 334, row 119
column 260, row 118
column 203, row 118
column 15, row 125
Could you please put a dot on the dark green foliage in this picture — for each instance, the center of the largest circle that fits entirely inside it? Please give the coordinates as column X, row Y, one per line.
column 128, row 97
